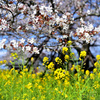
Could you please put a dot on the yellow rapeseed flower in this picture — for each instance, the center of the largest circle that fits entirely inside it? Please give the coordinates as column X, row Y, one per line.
column 56, row 89
column 45, row 60
column 91, row 76
column 96, row 64
column 99, row 75
column 83, row 54
column 98, row 57
column 1, row 62
column 94, row 70
column 66, row 58
column 82, row 71
column 87, row 72
column 25, row 70
column 66, row 96
column 29, row 85
column 72, row 68
column 40, row 87
column 4, row 61
column 64, row 50
column 32, row 59
column 58, row 60
column 92, row 98
column 60, row 73
column 24, row 67
column 33, row 98
column 51, row 65
column 69, row 43
column 14, row 55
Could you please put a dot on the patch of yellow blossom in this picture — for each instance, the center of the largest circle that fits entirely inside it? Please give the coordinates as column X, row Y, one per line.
column 69, row 43
column 82, row 70
column 51, row 66
column 45, row 60
column 78, row 68
column 77, row 85
column 91, row 76
column 33, row 98
column 3, row 62
column 56, row 89
column 98, row 57
column 96, row 64
column 83, row 54
column 96, row 84
column 60, row 73
column 66, row 58
column 87, row 72
column 29, row 85
column 64, row 50
column 32, row 59
column 72, row 68
column 58, row 60
column 66, row 96
column 94, row 70
column 14, row 55
column 92, row 98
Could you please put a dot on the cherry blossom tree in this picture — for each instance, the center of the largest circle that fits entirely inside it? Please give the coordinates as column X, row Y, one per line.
column 32, row 26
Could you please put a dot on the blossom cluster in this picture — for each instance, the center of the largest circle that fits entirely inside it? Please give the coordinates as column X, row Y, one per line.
column 66, row 58
column 14, row 55
column 83, row 54
column 86, row 31
column 51, row 66
column 60, row 73
column 58, row 60
column 45, row 61
column 19, row 45
column 3, row 24
column 64, row 50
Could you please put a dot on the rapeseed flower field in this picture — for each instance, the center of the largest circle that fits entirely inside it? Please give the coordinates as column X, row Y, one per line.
column 55, row 84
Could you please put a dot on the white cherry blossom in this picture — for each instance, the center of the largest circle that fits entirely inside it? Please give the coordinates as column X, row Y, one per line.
column 35, row 50
column 22, row 40
column 28, row 48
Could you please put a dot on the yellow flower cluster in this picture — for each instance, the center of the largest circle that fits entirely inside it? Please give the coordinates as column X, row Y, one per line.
column 58, row 60
column 87, row 72
column 96, row 85
column 72, row 68
column 45, row 60
column 29, row 85
column 64, row 50
column 60, row 73
column 94, row 70
column 14, row 55
column 83, row 54
column 69, row 43
column 66, row 58
column 98, row 57
column 91, row 76
column 3, row 62
column 32, row 59
column 78, row 68
column 51, row 66
column 96, row 64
